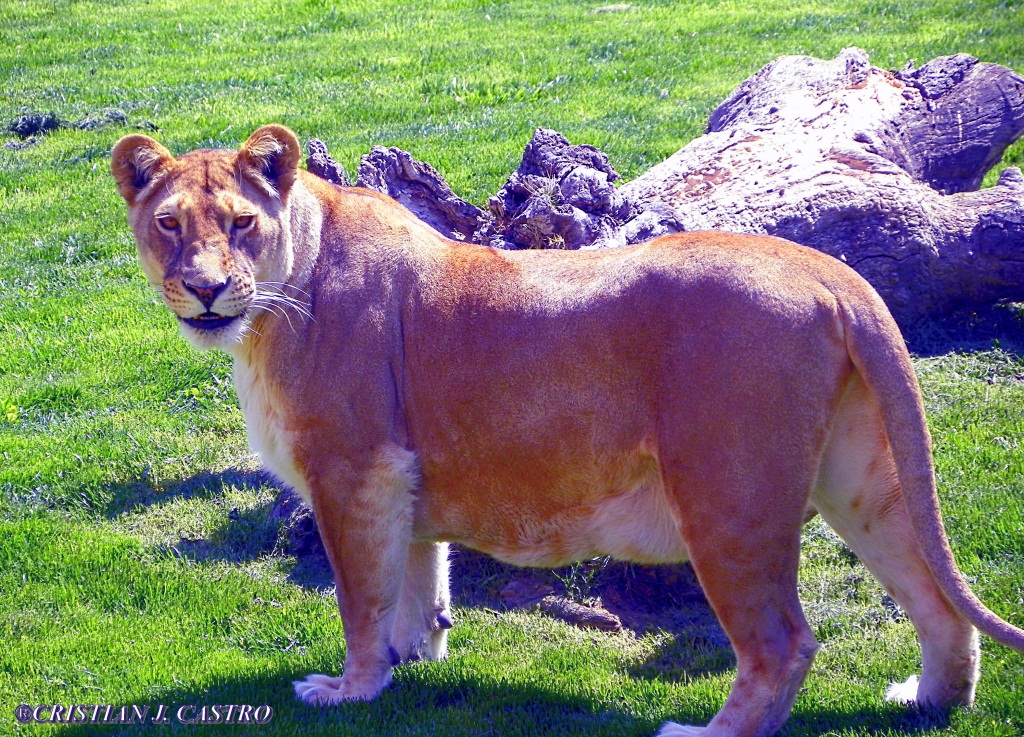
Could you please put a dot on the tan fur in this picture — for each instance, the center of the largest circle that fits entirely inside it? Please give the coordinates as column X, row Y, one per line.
column 690, row 397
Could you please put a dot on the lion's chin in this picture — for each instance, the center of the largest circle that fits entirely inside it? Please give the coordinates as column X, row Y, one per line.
column 223, row 332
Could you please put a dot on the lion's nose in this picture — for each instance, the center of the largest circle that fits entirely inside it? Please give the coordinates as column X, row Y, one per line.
column 207, row 294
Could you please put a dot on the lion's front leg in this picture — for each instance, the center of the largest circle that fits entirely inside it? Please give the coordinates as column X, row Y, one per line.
column 424, row 608
column 365, row 521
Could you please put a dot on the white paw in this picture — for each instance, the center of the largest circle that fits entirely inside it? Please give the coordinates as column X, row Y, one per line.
column 903, row 693
column 321, row 690
column 671, row 729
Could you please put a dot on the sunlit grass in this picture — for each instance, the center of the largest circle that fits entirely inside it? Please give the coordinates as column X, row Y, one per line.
column 137, row 562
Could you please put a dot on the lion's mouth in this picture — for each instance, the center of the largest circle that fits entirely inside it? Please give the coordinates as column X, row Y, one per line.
column 209, row 321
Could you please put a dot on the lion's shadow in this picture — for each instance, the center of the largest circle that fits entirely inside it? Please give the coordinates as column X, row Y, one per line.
column 664, row 599
column 124, row 498
column 458, row 704
column 969, row 330
column 465, row 701
column 231, row 534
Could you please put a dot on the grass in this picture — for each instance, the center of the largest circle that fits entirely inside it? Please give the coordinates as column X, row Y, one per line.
column 137, row 563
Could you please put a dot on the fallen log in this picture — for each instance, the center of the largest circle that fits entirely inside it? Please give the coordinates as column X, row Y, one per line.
column 878, row 168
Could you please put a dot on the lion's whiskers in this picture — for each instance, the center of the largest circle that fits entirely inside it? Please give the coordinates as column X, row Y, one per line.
column 280, row 285
column 285, row 302
column 262, row 289
column 274, row 307
column 272, row 293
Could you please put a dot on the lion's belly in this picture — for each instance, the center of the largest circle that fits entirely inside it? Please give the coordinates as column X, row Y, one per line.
column 636, row 524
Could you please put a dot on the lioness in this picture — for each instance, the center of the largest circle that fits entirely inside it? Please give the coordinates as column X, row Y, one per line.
column 687, row 398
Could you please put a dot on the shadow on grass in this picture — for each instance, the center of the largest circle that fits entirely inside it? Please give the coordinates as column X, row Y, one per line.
column 455, row 699
column 662, row 599
column 970, row 330
column 231, row 534
column 665, row 599
column 415, row 705
column 124, row 498
column 431, row 699
column 887, row 719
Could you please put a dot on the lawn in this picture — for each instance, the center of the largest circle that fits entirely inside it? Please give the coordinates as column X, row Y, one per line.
column 137, row 560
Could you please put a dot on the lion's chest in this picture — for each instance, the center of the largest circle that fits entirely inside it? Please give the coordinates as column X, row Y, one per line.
column 268, row 434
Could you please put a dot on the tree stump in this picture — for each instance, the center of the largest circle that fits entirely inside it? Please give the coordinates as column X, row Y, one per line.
column 880, row 169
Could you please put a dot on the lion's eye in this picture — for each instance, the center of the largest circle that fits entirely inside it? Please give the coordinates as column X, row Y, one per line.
column 242, row 221
column 168, row 222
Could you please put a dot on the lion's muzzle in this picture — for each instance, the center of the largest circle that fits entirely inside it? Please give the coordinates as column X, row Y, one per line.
column 207, row 294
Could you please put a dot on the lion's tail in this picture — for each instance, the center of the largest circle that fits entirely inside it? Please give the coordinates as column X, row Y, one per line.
column 877, row 350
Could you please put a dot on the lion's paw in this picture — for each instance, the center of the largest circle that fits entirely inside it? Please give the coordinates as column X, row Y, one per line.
column 321, row 690
column 903, row 693
column 671, row 729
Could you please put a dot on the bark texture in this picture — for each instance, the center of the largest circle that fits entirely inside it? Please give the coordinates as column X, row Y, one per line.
column 880, row 169
column 421, row 188
column 561, row 196
column 876, row 168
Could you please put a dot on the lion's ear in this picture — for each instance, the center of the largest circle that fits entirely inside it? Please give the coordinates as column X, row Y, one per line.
column 136, row 161
column 270, row 158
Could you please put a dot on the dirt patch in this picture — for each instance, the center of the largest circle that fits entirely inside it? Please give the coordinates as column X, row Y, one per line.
column 30, row 126
column 33, row 124
column 101, row 119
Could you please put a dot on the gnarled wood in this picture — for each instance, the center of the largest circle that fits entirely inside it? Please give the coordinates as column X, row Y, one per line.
column 421, row 188
column 561, row 196
column 854, row 161
column 880, row 169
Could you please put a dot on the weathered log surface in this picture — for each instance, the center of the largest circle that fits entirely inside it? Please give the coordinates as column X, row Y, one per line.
column 320, row 163
column 561, row 196
column 421, row 188
column 880, row 169
column 854, row 161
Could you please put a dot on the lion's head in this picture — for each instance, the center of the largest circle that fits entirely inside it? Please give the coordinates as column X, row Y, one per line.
column 212, row 227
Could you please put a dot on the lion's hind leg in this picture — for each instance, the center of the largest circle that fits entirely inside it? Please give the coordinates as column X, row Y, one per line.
column 858, row 495
column 748, row 570
column 753, row 592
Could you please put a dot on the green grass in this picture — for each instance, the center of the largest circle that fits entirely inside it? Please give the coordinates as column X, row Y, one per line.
column 125, row 576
